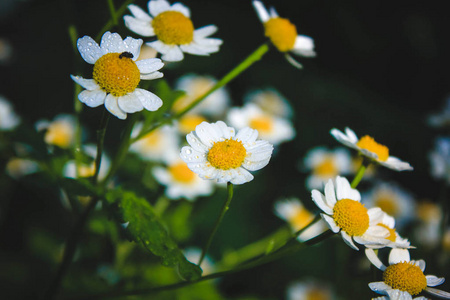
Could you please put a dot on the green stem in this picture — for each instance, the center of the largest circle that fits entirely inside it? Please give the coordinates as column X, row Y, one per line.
column 100, row 143
column 113, row 13
column 360, row 174
column 110, row 24
column 245, row 64
column 225, row 208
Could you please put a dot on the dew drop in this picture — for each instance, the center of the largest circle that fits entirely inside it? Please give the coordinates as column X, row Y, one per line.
column 188, row 151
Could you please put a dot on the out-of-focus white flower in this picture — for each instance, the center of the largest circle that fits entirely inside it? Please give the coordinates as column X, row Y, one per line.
column 292, row 211
column 309, row 290
column 404, row 278
column 116, row 75
column 193, row 254
column 181, row 181
column 6, row 51
column 283, row 34
column 393, row 200
column 160, row 144
column 270, row 101
column 440, row 159
column 87, row 169
column 173, row 28
column 325, row 164
column 344, row 213
column 19, row 167
column 271, row 128
column 370, row 149
column 427, row 232
column 441, row 119
column 59, row 132
column 8, row 118
column 217, row 152
column 195, row 86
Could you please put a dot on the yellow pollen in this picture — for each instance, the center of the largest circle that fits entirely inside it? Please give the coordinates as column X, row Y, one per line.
column 59, row 134
column 173, row 28
column 152, row 139
column 189, row 122
column 387, row 204
column 181, row 173
column 392, row 236
column 263, row 124
column 281, row 32
column 116, row 74
column 406, row 277
column 228, row 154
column 368, row 143
column 351, row 216
column 327, row 168
column 301, row 219
column 316, row 294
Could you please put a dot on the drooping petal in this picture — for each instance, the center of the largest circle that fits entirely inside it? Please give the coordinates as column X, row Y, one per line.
column 112, row 106
column 130, row 103
column 304, row 46
column 88, row 84
column 89, row 49
column 321, row 202
column 174, row 53
column 439, row 293
column 149, row 100
column 92, row 98
column 374, row 259
column 241, row 176
column 330, row 223
column 149, row 65
column 379, row 287
column 348, row 240
column 396, row 164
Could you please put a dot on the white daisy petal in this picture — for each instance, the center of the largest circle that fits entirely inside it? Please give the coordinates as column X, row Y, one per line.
column 351, row 135
column 398, row 255
column 174, row 53
column 149, row 65
column 259, row 151
column 344, row 190
column 205, row 31
column 192, row 156
column 113, row 107
column 88, row 84
column 149, row 100
column 330, row 223
column 112, row 43
column 421, row 264
column 247, row 135
column 138, row 26
column 92, row 98
column 379, row 287
column 396, row 164
column 182, row 9
column 155, row 7
column 133, row 46
column 374, row 259
column 241, row 176
column 434, row 281
column 195, row 143
column 194, row 49
column 438, row 293
column 130, row 103
column 139, row 13
column 261, row 11
column 348, row 240
column 398, row 295
column 153, row 75
column 320, row 201
column 304, row 45
column 89, row 49
column 330, row 194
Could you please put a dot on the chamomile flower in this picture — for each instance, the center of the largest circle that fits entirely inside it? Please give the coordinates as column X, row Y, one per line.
column 195, row 86
column 173, row 28
column 85, row 169
column 325, row 164
column 440, row 159
column 18, row 167
column 309, row 289
column 59, row 132
column 393, row 200
column 292, row 211
column 117, row 74
column 404, row 278
column 283, row 34
column 217, row 152
column 398, row 294
column 344, row 213
column 368, row 147
column 270, row 101
column 394, row 238
column 428, row 230
column 181, row 181
column 271, row 128
column 160, row 144
column 8, row 118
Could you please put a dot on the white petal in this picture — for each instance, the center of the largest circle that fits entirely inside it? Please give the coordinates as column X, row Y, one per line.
column 321, row 202
column 149, row 100
column 330, row 193
column 191, row 156
column 348, row 240
column 173, row 54
column 88, row 84
column 151, row 76
column 138, row 26
column 130, row 103
column 261, row 11
column 344, row 190
column 258, row 151
column 181, row 8
column 195, row 143
column 396, row 164
column 421, row 264
column 399, row 295
column 208, row 133
column 89, row 49
column 374, row 259
column 92, row 98
column 330, row 223
column 398, row 255
column 194, row 49
column 434, row 281
column 351, row 135
column 375, row 215
column 112, row 43
column 113, row 107
column 439, row 293
column 304, row 46
column 133, row 46
column 379, row 287
column 155, row 7
column 149, row 65
column 139, row 13
column 247, row 135
column 205, row 31
column 241, row 176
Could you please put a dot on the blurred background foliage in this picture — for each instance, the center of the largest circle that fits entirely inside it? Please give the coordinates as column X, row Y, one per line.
column 381, row 69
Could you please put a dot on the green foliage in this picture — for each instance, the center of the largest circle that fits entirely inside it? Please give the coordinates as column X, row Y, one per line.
column 77, row 187
column 145, row 226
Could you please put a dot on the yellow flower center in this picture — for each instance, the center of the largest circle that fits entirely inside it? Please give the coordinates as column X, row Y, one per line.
column 368, row 143
column 181, row 173
column 327, row 168
column 116, row 73
column 316, row 294
column 59, row 134
column 173, row 28
column 189, row 122
column 351, row 216
column 281, row 32
column 152, row 139
column 228, row 154
column 263, row 124
column 86, row 170
column 428, row 212
column 387, row 204
column 301, row 219
column 406, row 277
column 392, row 236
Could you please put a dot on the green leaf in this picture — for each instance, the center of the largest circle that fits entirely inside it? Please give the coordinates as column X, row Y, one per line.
column 145, row 226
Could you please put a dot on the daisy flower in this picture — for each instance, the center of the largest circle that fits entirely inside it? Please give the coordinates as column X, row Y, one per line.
column 270, row 101
column 368, row 147
column 8, row 118
column 271, row 128
column 398, row 294
column 160, row 144
column 173, row 28
column 292, row 211
column 309, row 289
column 440, row 159
column 19, row 167
column 117, row 74
column 87, row 169
column 59, row 132
column 428, row 230
column 404, row 278
column 283, row 34
column 217, row 152
column 325, row 164
column 195, row 86
column 344, row 213
column 394, row 238
column 181, row 181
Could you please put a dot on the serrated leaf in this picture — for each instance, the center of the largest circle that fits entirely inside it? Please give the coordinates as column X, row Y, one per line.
column 146, row 227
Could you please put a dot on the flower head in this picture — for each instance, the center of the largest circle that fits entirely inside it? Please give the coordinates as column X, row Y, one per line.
column 217, row 152
column 309, row 289
column 8, row 118
column 173, row 28
column 19, row 167
column 87, row 169
column 368, row 147
column 59, row 132
column 344, row 213
column 117, row 74
column 283, row 34
column 404, row 278
column 270, row 101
